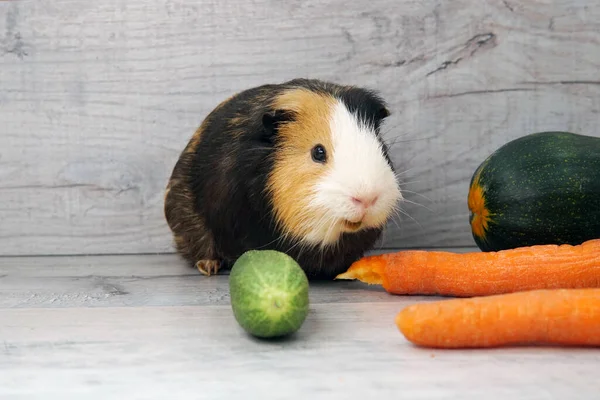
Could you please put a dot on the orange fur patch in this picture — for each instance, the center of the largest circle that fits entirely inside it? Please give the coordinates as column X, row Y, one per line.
column 194, row 140
column 295, row 174
column 236, row 121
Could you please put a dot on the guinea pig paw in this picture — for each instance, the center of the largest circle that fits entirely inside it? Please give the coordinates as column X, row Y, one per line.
column 208, row 267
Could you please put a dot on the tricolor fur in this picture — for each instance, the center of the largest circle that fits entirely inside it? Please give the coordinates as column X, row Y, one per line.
column 248, row 178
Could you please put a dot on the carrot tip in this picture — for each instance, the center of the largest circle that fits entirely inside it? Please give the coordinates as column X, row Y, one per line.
column 348, row 276
column 364, row 275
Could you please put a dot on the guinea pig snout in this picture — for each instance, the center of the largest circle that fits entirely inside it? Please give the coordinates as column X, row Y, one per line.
column 364, row 202
column 362, row 205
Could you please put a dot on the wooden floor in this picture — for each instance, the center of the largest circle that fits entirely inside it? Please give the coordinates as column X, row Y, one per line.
column 140, row 327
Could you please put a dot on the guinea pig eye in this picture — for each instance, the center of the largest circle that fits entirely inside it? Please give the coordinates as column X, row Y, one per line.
column 319, row 154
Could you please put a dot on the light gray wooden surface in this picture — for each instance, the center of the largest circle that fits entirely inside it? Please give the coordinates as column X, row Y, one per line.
column 97, row 99
column 146, row 327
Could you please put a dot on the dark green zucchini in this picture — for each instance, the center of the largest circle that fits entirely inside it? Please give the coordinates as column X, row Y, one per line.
column 542, row 188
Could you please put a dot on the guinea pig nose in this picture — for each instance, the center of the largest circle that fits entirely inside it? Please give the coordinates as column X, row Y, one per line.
column 365, row 201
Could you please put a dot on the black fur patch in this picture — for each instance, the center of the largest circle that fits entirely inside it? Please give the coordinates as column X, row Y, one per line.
column 369, row 108
column 366, row 104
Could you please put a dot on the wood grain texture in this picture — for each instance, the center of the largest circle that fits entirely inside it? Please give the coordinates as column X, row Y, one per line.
column 135, row 280
column 171, row 335
column 131, row 281
column 97, row 99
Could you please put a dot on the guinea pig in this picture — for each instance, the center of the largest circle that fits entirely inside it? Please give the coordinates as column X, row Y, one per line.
column 299, row 167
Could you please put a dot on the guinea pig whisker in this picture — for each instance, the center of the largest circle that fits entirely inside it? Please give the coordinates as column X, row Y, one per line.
column 402, row 134
column 417, row 194
column 408, row 183
column 397, row 224
column 395, row 214
column 332, row 223
column 409, row 216
column 418, row 204
column 302, row 249
column 303, row 246
column 388, row 129
column 271, row 242
column 404, row 172
column 382, row 240
column 294, row 246
column 392, row 143
column 322, row 255
column 397, row 141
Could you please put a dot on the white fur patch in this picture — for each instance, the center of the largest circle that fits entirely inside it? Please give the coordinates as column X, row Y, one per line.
column 356, row 167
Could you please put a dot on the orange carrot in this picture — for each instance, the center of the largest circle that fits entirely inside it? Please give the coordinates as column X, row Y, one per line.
column 567, row 317
column 481, row 273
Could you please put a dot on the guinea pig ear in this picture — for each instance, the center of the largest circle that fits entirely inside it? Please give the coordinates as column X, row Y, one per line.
column 272, row 120
column 383, row 113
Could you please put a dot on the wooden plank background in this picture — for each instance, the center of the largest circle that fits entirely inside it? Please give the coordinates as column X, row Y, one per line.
column 97, row 99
